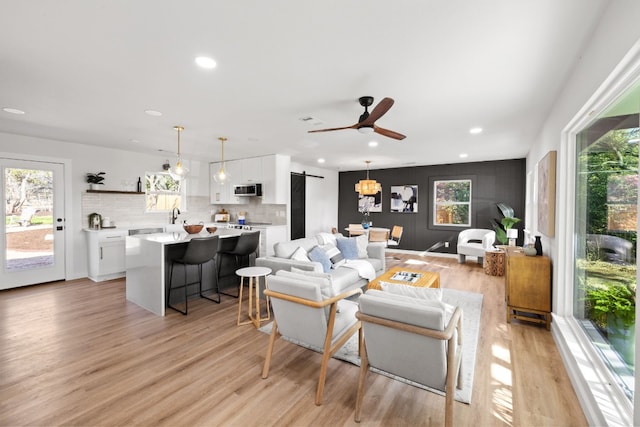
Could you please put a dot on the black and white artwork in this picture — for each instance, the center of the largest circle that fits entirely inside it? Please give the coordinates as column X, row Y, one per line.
column 404, row 198
column 370, row 203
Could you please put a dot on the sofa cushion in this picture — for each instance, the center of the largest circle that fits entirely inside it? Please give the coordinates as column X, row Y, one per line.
column 286, row 249
column 326, row 238
column 318, row 254
column 300, row 255
column 348, row 247
column 412, row 291
column 376, row 263
column 334, row 254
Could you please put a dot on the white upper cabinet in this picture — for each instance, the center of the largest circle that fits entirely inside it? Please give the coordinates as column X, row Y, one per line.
column 273, row 172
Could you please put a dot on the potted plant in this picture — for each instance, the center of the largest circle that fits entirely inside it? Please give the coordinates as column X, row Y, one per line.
column 95, row 179
column 613, row 309
column 505, row 224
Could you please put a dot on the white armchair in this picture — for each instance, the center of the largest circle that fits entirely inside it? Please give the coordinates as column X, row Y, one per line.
column 412, row 339
column 305, row 312
column 474, row 242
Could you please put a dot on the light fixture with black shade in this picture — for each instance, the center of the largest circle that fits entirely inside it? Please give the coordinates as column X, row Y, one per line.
column 179, row 171
column 222, row 176
column 368, row 187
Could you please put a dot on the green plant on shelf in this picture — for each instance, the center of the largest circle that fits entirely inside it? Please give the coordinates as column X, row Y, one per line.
column 96, row 178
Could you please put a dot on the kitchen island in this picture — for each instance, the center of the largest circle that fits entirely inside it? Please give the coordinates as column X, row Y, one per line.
column 148, row 257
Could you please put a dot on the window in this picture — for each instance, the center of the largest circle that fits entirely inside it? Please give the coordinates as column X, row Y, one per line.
column 452, row 203
column 606, row 221
column 163, row 192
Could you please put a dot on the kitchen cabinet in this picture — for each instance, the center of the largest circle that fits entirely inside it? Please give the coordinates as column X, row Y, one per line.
column 106, row 254
column 528, row 287
column 273, row 172
column 276, row 178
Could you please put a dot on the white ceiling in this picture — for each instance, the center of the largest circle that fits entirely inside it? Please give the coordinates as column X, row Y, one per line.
column 85, row 71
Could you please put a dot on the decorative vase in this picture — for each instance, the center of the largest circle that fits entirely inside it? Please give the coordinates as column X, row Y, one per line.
column 538, row 245
column 530, row 250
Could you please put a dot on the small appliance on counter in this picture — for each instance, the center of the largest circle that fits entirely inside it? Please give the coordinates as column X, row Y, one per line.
column 222, row 216
column 106, row 223
column 95, row 221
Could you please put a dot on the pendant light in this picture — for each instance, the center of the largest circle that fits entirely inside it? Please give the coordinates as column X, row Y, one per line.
column 368, row 187
column 222, row 176
column 179, row 171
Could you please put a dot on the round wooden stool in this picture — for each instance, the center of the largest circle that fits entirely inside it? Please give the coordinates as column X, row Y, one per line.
column 494, row 263
column 254, row 274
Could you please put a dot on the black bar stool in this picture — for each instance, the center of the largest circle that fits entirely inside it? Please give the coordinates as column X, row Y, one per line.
column 200, row 250
column 246, row 246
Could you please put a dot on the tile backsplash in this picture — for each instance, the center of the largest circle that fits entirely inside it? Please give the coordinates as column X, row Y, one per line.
column 127, row 210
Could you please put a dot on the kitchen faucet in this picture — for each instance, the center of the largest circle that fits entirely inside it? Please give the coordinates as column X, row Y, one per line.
column 174, row 215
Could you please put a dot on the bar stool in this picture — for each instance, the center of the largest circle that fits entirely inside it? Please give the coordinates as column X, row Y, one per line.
column 246, row 245
column 254, row 274
column 200, row 250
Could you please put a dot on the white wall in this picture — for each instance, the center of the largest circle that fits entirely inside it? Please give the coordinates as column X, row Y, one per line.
column 321, row 199
column 120, row 165
column 617, row 33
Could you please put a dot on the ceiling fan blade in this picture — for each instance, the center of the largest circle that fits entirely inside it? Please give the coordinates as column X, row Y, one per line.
column 331, row 129
column 388, row 133
column 382, row 107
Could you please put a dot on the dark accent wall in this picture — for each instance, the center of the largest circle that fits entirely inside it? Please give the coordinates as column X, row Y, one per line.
column 492, row 182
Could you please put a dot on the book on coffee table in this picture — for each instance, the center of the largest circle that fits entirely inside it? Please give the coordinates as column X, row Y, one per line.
column 406, row 276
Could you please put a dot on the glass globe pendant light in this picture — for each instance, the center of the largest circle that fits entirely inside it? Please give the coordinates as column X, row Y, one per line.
column 179, row 171
column 222, row 176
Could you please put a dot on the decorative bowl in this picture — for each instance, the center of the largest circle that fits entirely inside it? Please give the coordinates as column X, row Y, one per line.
column 193, row 228
column 212, row 229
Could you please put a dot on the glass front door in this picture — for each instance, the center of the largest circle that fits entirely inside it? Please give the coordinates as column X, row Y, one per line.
column 33, row 223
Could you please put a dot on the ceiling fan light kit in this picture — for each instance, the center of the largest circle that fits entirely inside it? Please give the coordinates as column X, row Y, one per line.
column 366, row 122
column 222, row 176
column 368, row 187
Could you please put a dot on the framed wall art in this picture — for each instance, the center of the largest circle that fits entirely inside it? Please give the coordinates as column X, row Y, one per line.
column 547, row 194
column 370, row 203
column 404, row 198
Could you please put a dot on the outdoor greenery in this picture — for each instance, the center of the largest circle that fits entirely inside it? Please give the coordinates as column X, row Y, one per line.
column 27, row 187
column 452, row 202
column 608, row 169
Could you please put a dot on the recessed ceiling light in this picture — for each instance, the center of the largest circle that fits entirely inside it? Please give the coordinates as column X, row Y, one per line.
column 373, row 143
column 321, row 160
column 463, row 155
column 12, row 110
column 475, row 131
column 153, row 113
column 135, row 141
column 206, row 62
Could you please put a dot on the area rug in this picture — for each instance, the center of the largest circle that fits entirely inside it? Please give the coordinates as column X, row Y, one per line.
column 471, row 304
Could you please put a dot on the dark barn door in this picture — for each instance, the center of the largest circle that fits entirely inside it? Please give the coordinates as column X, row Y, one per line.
column 298, row 192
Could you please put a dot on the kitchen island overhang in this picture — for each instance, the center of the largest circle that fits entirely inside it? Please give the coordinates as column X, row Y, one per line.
column 148, row 257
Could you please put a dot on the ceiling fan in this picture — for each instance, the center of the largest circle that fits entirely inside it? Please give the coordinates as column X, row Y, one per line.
column 366, row 123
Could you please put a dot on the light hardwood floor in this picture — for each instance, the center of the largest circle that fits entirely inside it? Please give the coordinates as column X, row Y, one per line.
column 77, row 353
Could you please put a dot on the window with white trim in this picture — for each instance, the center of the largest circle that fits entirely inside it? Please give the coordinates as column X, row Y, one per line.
column 163, row 192
column 452, row 202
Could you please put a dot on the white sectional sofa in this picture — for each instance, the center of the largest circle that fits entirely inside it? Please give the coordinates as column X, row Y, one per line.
column 343, row 276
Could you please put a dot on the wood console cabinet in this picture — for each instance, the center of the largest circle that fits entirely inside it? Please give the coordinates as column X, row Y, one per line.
column 528, row 288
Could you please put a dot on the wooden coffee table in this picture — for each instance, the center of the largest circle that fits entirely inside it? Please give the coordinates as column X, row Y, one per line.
column 419, row 278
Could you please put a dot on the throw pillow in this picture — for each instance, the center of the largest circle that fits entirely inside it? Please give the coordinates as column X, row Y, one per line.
column 326, row 238
column 317, row 254
column 335, row 256
column 362, row 242
column 348, row 247
column 412, row 291
column 300, row 254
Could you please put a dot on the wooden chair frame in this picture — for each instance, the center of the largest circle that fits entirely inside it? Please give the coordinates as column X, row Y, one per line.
column 328, row 349
column 454, row 358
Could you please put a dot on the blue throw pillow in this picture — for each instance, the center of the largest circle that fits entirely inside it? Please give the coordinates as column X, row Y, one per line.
column 318, row 254
column 348, row 247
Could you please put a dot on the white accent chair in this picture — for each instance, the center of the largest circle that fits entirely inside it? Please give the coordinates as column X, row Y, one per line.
column 474, row 242
column 304, row 315
column 411, row 339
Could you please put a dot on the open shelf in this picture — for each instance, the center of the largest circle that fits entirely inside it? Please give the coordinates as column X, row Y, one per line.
column 114, row 192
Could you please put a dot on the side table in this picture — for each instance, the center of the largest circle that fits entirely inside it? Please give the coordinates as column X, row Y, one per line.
column 494, row 262
column 254, row 274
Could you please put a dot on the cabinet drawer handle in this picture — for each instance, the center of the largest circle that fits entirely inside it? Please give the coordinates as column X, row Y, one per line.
column 100, row 253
